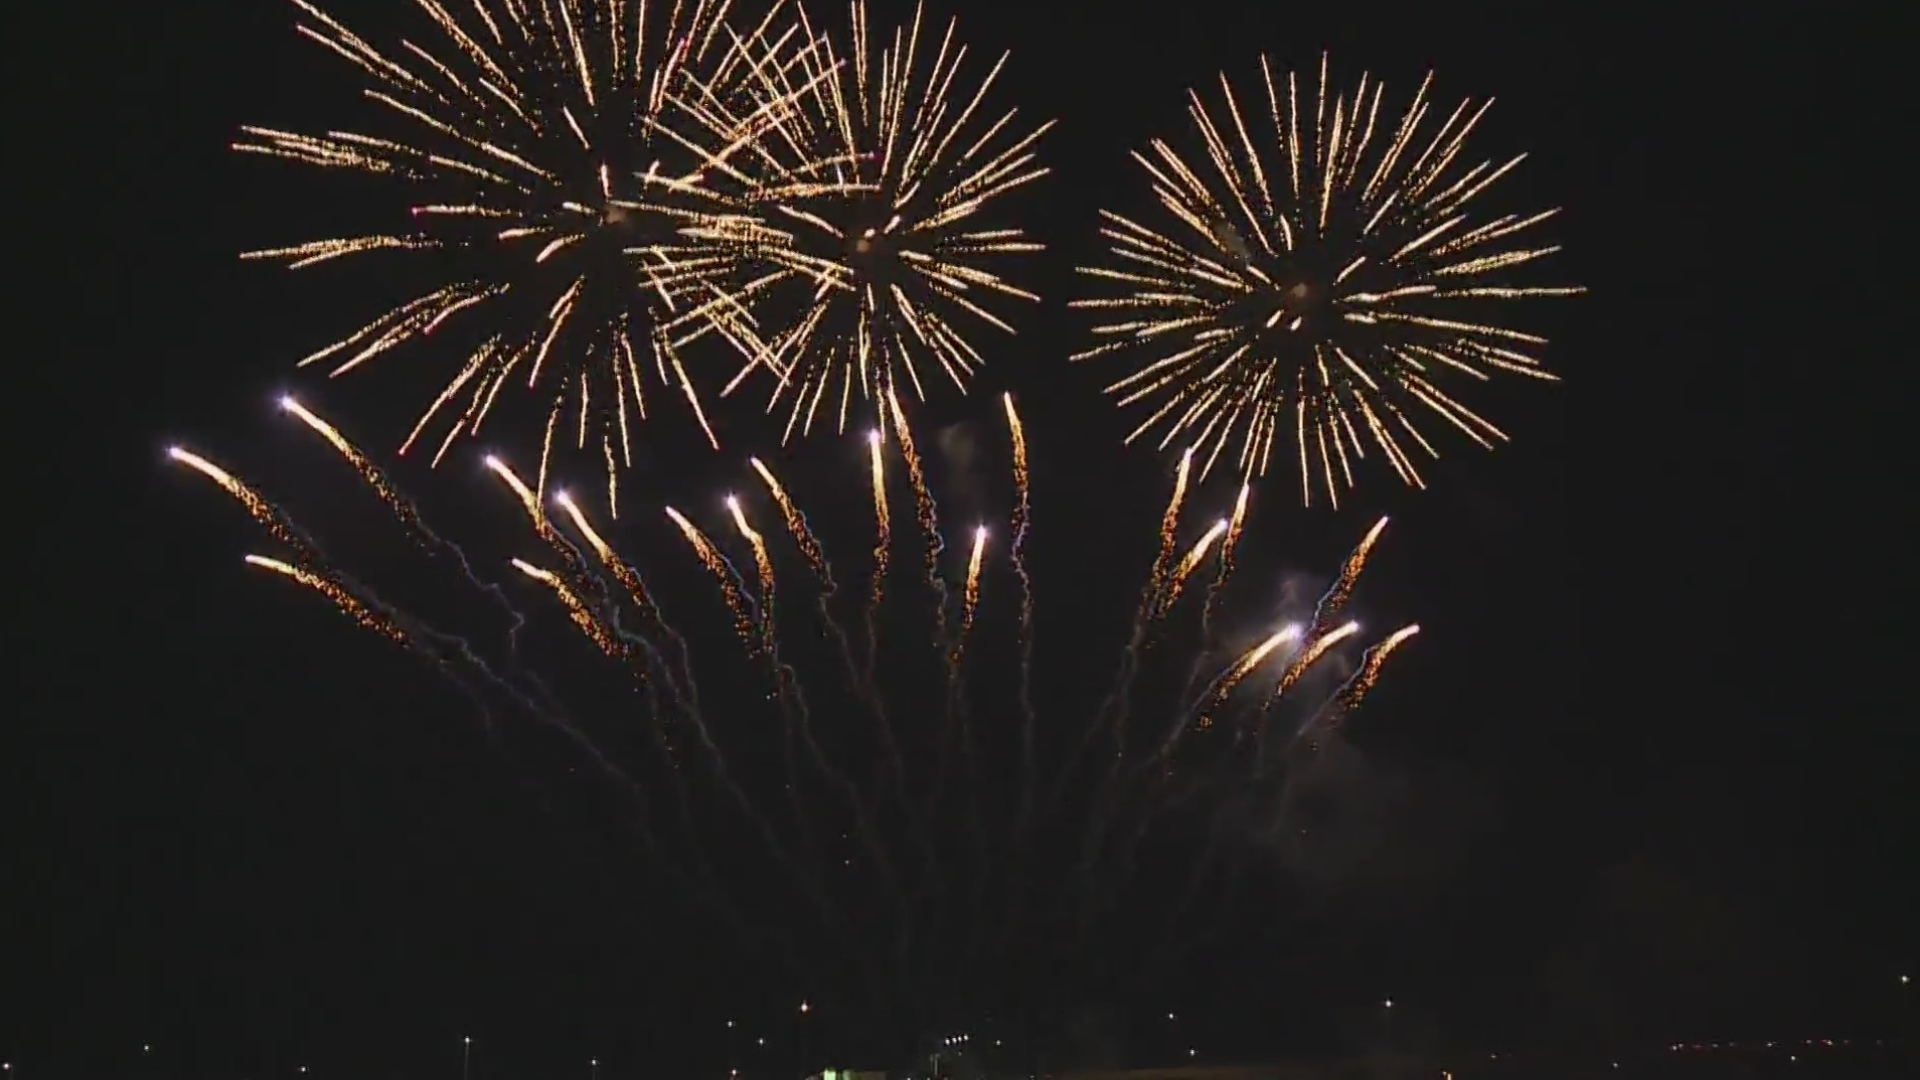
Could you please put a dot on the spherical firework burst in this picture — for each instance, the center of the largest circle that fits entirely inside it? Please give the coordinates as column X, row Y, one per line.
column 571, row 165
column 926, row 826
column 1321, row 280
column 890, row 257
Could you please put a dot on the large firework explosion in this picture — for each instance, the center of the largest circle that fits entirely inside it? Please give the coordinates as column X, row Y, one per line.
column 889, row 260
column 598, row 184
column 1319, row 281
column 923, row 833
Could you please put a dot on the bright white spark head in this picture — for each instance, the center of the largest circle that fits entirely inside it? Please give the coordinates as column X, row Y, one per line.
column 176, row 453
column 492, row 462
column 874, row 436
column 561, row 498
column 980, row 533
column 287, row 403
column 733, row 503
column 1291, row 632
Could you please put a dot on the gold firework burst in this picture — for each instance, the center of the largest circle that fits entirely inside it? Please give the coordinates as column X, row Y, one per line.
column 1319, row 282
column 572, row 164
column 887, row 258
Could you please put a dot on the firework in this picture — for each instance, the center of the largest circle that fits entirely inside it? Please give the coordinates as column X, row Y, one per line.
column 349, row 605
column 570, row 173
column 1318, row 282
column 895, row 836
column 891, row 258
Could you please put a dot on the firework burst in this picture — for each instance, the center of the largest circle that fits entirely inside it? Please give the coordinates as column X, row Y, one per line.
column 1321, row 281
column 889, row 259
column 571, row 175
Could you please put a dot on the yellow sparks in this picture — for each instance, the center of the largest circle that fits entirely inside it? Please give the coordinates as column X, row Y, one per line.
column 624, row 574
column 795, row 521
column 1178, row 579
column 1243, row 667
column 1336, row 597
column 923, row 504
column 256, row 506
column 883, row 522
column 879, row 189
column 971, row 601
column 1316, row 648
column 591, row 163
column 1313, row 283
column 528, row 500
column 342, row 599
column 763, row 566
column 1370, row 668
column 1170, row 524
column 1020, row 490
column 717, row 566
column 1235, row 525
column 375, row 477
column 578, row 611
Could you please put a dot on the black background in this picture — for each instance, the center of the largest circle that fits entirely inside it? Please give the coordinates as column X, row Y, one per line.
column 1645, row 778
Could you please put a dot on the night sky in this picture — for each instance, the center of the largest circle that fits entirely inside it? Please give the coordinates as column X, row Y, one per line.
column 1640, row 779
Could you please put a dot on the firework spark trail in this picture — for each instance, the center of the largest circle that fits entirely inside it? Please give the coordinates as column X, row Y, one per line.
column 1169, row 532
column 967, row 866
column 1178, row 579
column 345, row 601
column 682, row 682
column 1318, row 295
column 1235, row 525
column 1021, row 518
column 971, row 599
column 882, row 542
column 270, row 517
column 763, row 569
column 542, row 154
column 408, row 513
column 957, row 706
column 1336, row 595
column 810, row 549
column 575, row 569
column 723, row 574
column 1119, row 699
column 1356, row 689
column 1314, row 650
column 613, row 645
column 1224, row 686
column 927, row 513
column 577, row 610
column 797, row 527
column 787, row 692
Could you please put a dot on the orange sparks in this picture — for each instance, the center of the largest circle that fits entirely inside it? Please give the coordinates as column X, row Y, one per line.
column 796, row 523
column 576, row 610
column 257, row 507
column 1314, row 651
column 345, row 601
column 1243, row 667
column 1178, row 580
column 883, row 539
column 717, row 566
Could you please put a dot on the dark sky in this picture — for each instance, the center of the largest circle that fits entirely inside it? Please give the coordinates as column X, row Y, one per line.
column 1639, row 779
